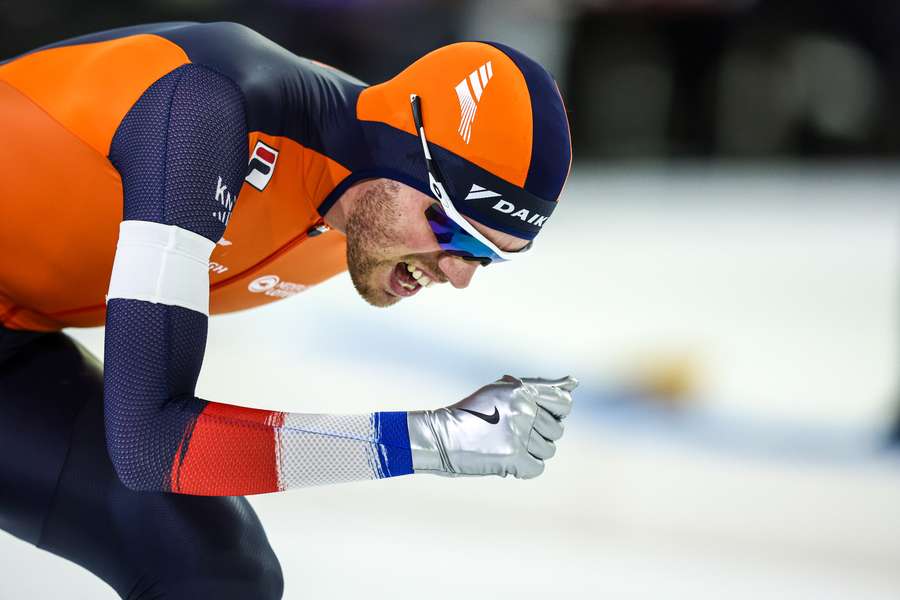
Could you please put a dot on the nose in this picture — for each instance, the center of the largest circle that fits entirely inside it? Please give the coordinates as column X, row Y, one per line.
column 458, row 271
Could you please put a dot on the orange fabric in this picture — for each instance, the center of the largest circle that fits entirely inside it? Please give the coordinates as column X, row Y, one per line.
column 267, row 234
column 60, row 208
column 501, row 135
column 89, row 88
column 61, row 198
column 233, row 439
column 59, row 222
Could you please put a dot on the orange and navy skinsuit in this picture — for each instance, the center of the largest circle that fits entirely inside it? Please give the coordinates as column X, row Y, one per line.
column 209, row 129
column 184, row 136
column 65, row 113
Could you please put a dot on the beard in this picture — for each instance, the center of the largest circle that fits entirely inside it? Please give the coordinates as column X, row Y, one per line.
column 371, row 229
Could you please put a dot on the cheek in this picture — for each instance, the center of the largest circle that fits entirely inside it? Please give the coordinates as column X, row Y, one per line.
column 417, row 235
column 390, row 235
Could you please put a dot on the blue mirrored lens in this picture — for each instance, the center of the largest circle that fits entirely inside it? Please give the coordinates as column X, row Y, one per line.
column 455, row 240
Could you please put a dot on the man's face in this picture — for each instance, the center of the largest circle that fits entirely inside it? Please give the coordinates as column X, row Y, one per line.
column 391, row 249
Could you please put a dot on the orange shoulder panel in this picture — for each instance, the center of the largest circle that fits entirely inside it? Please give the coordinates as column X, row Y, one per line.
column 89, row 88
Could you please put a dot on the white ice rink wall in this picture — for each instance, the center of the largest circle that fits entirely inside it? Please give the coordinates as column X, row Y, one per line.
column 781, row 284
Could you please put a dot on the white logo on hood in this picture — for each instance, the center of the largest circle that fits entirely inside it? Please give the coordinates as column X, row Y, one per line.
column 475, row 84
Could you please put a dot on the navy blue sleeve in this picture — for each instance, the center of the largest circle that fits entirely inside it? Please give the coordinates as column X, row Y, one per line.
column 180, row 150
column 181, row 142
column 182, row 155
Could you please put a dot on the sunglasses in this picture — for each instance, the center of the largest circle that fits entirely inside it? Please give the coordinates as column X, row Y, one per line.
column 455, row 234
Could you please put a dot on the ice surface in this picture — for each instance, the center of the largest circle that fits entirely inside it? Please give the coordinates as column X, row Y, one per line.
column 782, row 283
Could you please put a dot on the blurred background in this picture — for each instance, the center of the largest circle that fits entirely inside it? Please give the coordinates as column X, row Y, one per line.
column 725, row 274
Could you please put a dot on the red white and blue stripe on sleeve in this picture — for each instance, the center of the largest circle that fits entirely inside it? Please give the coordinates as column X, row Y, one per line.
column 184, row 134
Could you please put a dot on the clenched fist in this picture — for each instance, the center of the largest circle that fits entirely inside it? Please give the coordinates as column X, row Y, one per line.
column 508, row 427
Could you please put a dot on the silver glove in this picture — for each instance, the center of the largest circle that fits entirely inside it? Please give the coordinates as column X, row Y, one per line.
column 506, row 428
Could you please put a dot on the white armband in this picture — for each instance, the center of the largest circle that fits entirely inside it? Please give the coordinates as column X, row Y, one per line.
column 163, row 264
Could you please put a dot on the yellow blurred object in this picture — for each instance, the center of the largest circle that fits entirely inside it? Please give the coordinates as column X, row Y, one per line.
column 670, row 379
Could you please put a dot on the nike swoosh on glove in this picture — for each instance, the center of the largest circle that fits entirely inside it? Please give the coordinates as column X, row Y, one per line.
column 509, row 427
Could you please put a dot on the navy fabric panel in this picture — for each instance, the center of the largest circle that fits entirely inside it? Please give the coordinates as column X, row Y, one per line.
column 58, row 491
column 286, row 95
column 551, row 152
column 39, row 399
column 12, row 340
column 153, row 357
column 395, row 155
column 393, row 435
column 182, row 151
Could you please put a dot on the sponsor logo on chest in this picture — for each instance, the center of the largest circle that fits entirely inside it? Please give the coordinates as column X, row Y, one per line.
column 271, row 285
column 262, row 165
column 225, row 200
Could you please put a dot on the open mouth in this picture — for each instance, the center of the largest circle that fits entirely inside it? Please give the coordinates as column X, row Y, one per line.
column 406, row 280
